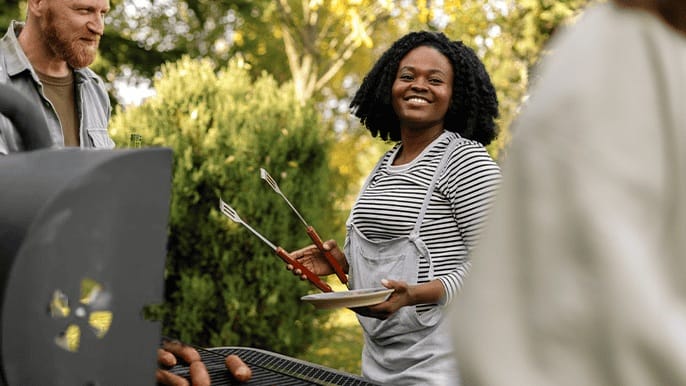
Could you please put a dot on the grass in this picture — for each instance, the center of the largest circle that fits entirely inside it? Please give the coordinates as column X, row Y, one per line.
column 340, row 347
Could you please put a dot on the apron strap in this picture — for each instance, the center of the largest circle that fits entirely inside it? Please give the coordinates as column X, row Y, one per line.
column 414, row 235
column 439, row 170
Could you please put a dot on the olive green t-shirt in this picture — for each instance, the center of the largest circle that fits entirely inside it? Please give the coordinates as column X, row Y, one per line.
column 60, row 91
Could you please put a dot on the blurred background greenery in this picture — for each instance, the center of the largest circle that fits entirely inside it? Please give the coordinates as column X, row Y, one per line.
column 236, row 85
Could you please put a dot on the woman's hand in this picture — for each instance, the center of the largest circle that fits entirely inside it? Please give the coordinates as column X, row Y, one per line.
column 313, row 259
column 400, row 297
column 403, row 295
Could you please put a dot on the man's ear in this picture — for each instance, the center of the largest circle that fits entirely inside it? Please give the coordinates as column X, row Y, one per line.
column 36, row 7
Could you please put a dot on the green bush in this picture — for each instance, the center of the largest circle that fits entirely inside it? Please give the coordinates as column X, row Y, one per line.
column 223, row 286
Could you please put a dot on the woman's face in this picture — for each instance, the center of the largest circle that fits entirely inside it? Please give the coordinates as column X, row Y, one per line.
column 422, row 89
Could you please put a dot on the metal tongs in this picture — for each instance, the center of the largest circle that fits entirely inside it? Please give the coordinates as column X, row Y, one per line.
column 310, row 229
column 229, row 212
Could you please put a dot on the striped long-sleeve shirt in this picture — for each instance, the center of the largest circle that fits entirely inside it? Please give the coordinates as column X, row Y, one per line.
column 390, row 205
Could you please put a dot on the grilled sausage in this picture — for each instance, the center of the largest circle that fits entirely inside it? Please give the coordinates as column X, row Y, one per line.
column 199, row 374
column 166, row 378
column 238, row 368
column 165, row 358
column 187, row 353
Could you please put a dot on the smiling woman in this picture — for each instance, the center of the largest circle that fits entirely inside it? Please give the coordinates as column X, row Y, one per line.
column 418, row 216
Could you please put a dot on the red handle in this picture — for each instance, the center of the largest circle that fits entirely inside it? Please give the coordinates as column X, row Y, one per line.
column 329, row 257
column 314, row 279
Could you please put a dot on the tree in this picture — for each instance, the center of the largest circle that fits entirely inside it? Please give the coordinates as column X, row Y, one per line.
column 308, row 42
column 224, row 286
column 11, row 10
column 320, row 37
column 510, row 36
column 525, row 30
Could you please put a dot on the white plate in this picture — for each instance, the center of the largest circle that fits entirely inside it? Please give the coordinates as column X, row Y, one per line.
column 352, row 298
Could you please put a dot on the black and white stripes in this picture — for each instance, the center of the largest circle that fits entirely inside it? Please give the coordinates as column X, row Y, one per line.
column 390, row 205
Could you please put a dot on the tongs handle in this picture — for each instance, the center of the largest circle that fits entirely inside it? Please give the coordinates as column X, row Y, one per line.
column 329, row 257
column 311, row 276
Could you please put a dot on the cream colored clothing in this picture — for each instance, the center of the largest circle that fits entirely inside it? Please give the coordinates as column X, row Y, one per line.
column 580, row 278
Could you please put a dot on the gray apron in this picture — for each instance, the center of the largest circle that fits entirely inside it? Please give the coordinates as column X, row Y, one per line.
column 407, row 348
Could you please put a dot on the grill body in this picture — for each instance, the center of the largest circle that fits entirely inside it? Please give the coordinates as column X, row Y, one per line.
column 82, row 251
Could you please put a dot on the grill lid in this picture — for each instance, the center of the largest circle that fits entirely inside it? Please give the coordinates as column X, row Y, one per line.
column 82, row 250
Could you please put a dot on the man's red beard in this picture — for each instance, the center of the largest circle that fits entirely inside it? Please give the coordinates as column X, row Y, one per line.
column 70, row 47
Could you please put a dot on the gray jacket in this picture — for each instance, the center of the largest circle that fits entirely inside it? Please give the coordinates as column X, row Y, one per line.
column 92, row 101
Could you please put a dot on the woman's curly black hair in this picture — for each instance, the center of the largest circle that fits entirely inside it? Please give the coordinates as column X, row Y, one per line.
column 474, row 104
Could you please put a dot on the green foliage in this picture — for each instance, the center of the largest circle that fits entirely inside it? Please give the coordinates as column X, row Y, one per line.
column 326, row 47
column 510, row 37
column 526, row 28
column 223, row 285
column 11, row 10
column 341, row 345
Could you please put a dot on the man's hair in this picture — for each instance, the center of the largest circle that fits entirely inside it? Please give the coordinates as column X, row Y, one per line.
column 474, row 104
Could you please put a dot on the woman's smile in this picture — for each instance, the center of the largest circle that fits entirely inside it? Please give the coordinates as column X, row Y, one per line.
column 422, row 89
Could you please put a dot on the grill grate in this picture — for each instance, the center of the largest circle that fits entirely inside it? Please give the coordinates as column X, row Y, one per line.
column 270, row 368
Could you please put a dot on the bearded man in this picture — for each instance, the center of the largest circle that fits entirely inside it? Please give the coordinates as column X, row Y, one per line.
column 46, row 59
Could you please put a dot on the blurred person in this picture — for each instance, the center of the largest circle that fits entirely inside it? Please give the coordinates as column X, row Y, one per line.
column 419, row 213
column 46, row 59
column 579, row 277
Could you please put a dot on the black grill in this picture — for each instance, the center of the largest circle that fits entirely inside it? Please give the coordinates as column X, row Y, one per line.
column 270, row 368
